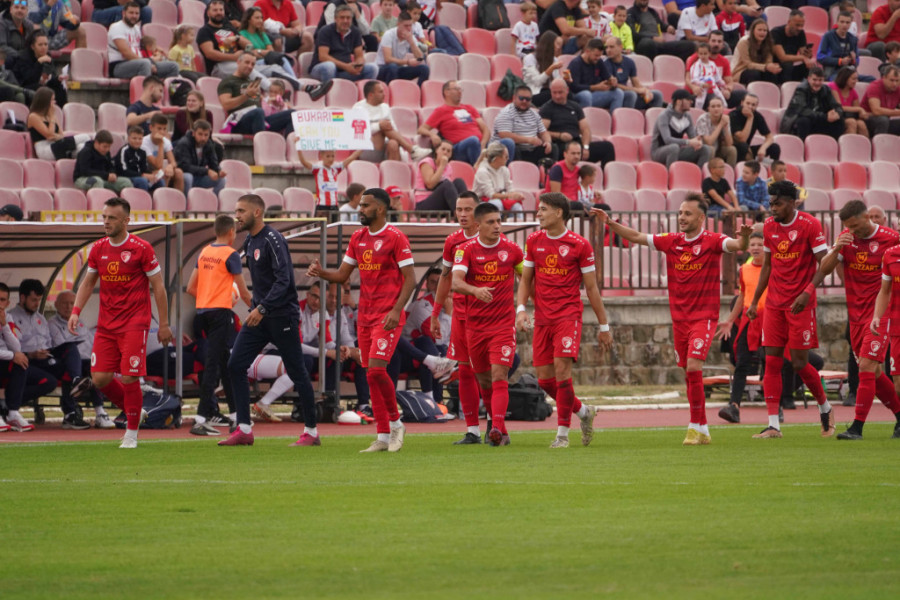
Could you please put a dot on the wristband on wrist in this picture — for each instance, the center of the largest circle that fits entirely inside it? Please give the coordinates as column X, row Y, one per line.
column 76, row 311
column 810, row 289
column 436, row 310
column 604, row 327
column 520, row 308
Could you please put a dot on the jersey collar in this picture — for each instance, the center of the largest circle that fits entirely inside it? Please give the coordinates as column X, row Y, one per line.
column 874, row 232
column 696, row 237
column 792, row 221
column 127, row 237
column 494, row 245
column 380, row 231
column 552, row 237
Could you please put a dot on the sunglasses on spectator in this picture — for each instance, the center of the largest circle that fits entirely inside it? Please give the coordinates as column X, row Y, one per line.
column 20, row 3
column 525, row 98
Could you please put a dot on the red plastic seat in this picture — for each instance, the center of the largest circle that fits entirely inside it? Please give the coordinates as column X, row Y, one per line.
column 685, row 175
column 453, row 16
column 395, row 172
column 883, row 175
column 405, row 93
column 300, row 200
column 79, row 118
column 619, row 176
column 883, row 198
column 13, row 145
column 475, row 67
column 138, row 198
column 668, row 69
column 270, row 197
column 111, row 117
column 885, row 147
column 626, row 148
column 406, row 120
column 851, row 176
column 87, row 66
column 500, row 63
column 650, row 116
column 619, row 200
column 193, row 12
column 840, row 197
column 653, row 176
column 644, row 67
column 269, row 150
column 647, row 200
column 506, row 43
column 627, row 121
column 777, row 15
column 165, row 12
column 70, row 199
column 12, row 176
column 479, row 41
column 198, row 200
column 36, row 200
column 228, row 198
column 343, row 94
column 525, row 175
column 473, row 93
column 365, row 173
column 492, row 97
column 238, row 174
column 97, row 197
column 792, row 149
column 464, row 171
column 599, row 122
column 432, row 95
column 821, row 148
column 96, row 36
column 769, row 94
column 39, row 174
column 173, row 201
column 817, row 175
column 442, row 67
column 816, row 21
column 855, row 148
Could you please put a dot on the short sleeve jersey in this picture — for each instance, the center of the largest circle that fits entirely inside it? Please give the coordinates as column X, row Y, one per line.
column 792, row 248
column 559, row 265
column 124, row 271
column 890, row 271
column 862, row 271
column 326, row 182
column 454, row 241
column 379, row 257
column 693, row 268
column 493, row 267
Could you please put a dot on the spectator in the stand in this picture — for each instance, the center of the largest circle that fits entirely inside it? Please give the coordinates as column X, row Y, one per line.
column 838, row 47
column 723, row 65
column 597, row 20
column 813, row 109
column 359, row 21
column 675, row 8
column 399, row 57
column 46, row 134
column 563, row 176
column 526, row 32
column 714, row 126
column 124, row 46
column 14, row 364
column 705, row 75
column 749, row 10
column 15, row 28
column 268, row 62
column 234, row 12
column 621, row 30
column 492, row 180
column 625, row 71
column 325, row 172
column 10, row 90
column 892, row 56
column 460, row 124
column 339, row 51
column 384, row 20
column 844, row 90
column 131, row 162
column 239, row 96
column 386, row 139
column 674, row 135
column 877, row 215
column 746, row 124
column 107, row 12
column 33, row 67
column 696, row 22
column 10, row 213
column 754, row 57
column 181, row 52
column 143, row 109
column 543, row 66
column 284, row 26
column 565, row 121
column 648, row 29
column 717, row 190
column 566, row 19
column 884, row 27
column 194, row 110
column 220, row 43
column 590, row 81
column 730, row 22
column 519, row 127
column 882, row 103
column 436, row 186
column 752, row 191
column 94, row 166
column 791, row 49
column 159, row 153
column 60, row 24
column 196, row 156
column 350, row 209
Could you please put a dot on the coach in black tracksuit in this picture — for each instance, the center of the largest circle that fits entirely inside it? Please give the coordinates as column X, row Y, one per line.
column 275, row 317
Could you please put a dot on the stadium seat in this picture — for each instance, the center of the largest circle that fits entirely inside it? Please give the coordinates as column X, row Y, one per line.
column 769, row 94
column 644, row 67
column 228, row 199
column 314, row 12
column 473, row 93
column 777, row 15
column 645, row 144
column 625, row 121
column 300, row 200
column 685, row 175
column 443, row 67
column 209, row 87
column 10, row 197
column 13, row 145
column 653, row 176
column 138, row 198
column 619, row 200
column 19, row 111
column 238, row 174
column 816, row 21
column 193, row 12
column 650, row 116
column 269, row 150
column 301, row 11
column 492, row 96
column 883, row 175
column 787, row 91
column 96, row 36
column 626, row 148
column 472, row 19
column 12, row 176
column 97, row 197
column 475, row 67
column 432, row 96
column 821, row 148
column 868, row 65
column 729, row 174
column 792, row 149
column 646, row 200
column 79, row 118
column 851, row 176
column 676, row 196
column 772, row 117
column 218, row 118
column 364, row 172
column 667, row 88
column 619, row 176
column 343, row 94
column 840, row 197
column 793, row 173
column 479, row 41
column 525, row 175
column 506, row 43
column 70, row 199
column 111, row 117
column 39, row 174
column 885, row 147
column 500, row 64
column 464, row 171
column 135, row 88
column 270, row 196
column 453, row 16
column 668, row 69
column 172, row 201
column 405, row 93
column 303, row 101
column 882, row 198
column 86, row 66
column 395, row 172
column 198, row 200
column 36, row 200
column 817, row 175
column 599, row 122
column 65, row 167
column 304, row 61
column 855, row 148
column 165, row 12
column 406, row 120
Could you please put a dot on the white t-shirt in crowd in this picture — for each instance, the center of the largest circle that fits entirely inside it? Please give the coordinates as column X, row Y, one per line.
column 689, row 21
column 120, row 31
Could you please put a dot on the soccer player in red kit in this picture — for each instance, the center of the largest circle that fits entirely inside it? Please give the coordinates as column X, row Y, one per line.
column 485, row 269
column 889, row 296
column 861, row 247
column 386, row 279
column 693, row 265
column 125, row 265
column 556, row 262
column 468, row 386
column 794, row 243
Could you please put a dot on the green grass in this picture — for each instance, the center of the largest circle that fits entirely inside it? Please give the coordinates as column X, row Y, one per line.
column 635, row 515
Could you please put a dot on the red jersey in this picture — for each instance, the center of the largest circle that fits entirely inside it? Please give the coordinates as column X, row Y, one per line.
column 379, row 257
column 890, row 271
column 695, row 276
column 494, row 267
column 455, row 123
column 792, row 248
column 862, row 271
column 559, row 265
column 456, row 239
column 124, row 271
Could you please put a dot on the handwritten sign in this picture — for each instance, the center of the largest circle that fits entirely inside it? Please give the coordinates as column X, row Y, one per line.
column 333, row 129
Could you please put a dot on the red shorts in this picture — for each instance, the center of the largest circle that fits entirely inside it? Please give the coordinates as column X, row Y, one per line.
column 559, row 340
column 375, row 342
column 895, row 353
column 783, row 329
column 491, row 347
column 866, row 344
column 692, row 339
column 124, row 353
column 458, row 349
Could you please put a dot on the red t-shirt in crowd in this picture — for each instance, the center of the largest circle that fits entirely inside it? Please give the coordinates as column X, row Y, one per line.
column 876, row 89
column 284, row 14
column 567, row 179
column 455, row 123
column 880, row 16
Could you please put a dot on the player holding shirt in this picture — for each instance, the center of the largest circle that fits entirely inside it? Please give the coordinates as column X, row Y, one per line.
column 889, row 296
column 124, row 265
column 386, row 279
column 693, row 265
column 485, row 269
column 468, row 386
column 794, row 243
column 557, row 261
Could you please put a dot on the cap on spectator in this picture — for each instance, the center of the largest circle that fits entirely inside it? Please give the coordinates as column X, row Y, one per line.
column 393, row 191
column 13, row 211
column 681, row 94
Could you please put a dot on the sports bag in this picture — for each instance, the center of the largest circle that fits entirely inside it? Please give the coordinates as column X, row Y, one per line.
column 163, row 412
column 492, row 14
column 527, row 401
column 418, row 408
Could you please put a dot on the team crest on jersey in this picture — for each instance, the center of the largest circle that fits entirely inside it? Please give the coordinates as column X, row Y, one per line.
column 126, row 256
column 792, row 235
column 873, row 247
column 457, row 258
column 862, row 257
column 698, row 343
column 256, row 254
column 378, row 244
column 567, row 342
column 806, row 336
column 506, row 351
column 696, row 250
column 382, row 344
column 876, row 346
column 134, row 361
column 503, row 254
column 564, row 250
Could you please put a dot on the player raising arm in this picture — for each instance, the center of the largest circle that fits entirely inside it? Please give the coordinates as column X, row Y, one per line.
column 794, row 243
column 124, row 265
column 693, row 265
column 557, row 261
column 386, row 281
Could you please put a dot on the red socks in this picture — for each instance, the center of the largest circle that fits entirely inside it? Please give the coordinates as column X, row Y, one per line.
column 865, row 395
column 884, row 389
column 133, row 402
column 384, row 398
column 549, row 387
column 486, row 394
column 115, row 392
column 565, row 400
column 813, row 383
column 696, row 396
column 772, row 387
column 499, row 404
column 468, row 395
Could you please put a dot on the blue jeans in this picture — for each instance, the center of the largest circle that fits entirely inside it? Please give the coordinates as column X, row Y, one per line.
column 256, row 120
column 108, row 16
column 190, row 181
column 510, row 148
column 632, row 100
column 609, row 99
column 328, row 70
column 388, row 73
column 467, row 150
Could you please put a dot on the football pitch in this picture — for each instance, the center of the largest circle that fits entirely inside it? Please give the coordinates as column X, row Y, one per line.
column 635, row 515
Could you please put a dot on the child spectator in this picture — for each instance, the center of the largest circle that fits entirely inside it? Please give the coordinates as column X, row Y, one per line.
column 94, row 166
column 325, row 171
column 159, row 152
column 350, row 209
column 850, row 7
column 587, row 195
column 752, row 191
column 706, row 74
column 385, row 19
column 526, row 32
column 779, row 173
column 131, row 162
column 717, row 190
column 149, row 49
column 731, row 23
column 597, row 20
column 274, row 100
column 621, row 30
column 182, row 52
column 891, row 57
